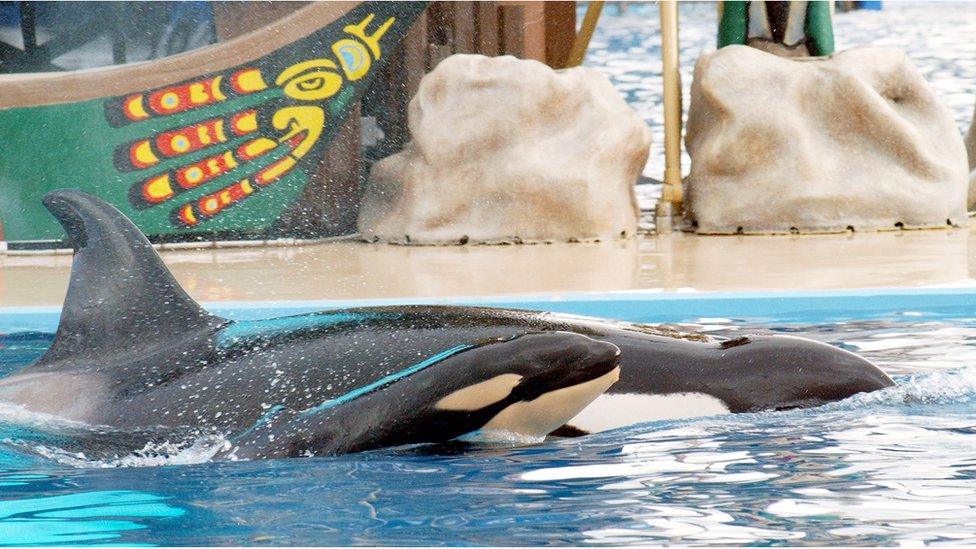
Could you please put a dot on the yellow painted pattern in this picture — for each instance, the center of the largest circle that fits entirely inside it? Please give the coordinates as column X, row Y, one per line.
column 247, row 124
column 135, row 109
column 159, row 189
column 251, row 81
column 312, row 80
column 299, row 126
column 144, row 154
column 276, row 170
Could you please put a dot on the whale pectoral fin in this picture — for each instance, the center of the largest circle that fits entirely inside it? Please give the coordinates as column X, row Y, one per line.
column 120, row 291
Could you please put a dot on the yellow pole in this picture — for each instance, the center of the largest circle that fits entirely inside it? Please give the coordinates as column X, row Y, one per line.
column 671, row 193
column 582, row 40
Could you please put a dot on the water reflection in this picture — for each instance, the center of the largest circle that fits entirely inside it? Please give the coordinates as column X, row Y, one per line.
column 75, row 517
column 905, row 474
column 907, row 342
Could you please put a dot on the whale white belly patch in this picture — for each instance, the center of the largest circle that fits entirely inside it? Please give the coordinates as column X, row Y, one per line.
column 548, row 411
column 619, row 410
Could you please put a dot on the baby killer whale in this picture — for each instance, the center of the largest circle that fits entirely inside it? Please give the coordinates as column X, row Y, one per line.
column 133, row 352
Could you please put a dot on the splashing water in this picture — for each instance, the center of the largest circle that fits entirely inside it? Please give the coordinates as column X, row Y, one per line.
column 153, row 454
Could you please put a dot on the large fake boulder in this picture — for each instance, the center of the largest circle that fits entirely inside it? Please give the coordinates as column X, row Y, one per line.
column 856, row 140
column 509, row 150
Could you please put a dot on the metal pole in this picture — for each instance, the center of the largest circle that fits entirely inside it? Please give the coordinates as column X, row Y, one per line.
column 671, row 193
column 28, row 29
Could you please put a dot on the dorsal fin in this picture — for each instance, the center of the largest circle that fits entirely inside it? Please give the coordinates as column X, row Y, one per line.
column 121, row 295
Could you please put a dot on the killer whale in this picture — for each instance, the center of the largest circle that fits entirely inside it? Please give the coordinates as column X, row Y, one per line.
column 134, row 356
column 664, row 374
column 300, row 385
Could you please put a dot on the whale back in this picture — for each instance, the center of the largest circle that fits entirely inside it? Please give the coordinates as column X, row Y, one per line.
column 121, row 297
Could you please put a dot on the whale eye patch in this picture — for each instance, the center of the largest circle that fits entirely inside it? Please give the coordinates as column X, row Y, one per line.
column 480, row 395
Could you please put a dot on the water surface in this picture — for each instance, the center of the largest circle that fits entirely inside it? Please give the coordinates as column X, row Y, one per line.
column 892, row 467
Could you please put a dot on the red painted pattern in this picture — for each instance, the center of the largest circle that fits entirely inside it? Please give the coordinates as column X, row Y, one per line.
column 194, row 137
column 183, row 98
column 200, row 172
column 213, row 204
column 191, row 138
column 209, row 205
column 191, row 95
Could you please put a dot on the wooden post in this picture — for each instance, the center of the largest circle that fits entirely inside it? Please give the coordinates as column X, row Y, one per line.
column 415, row 55
column 28, row 27
column 486, row 30
column 117, row 12
column 534, row 31
column 671, row 193
column 464, row 33
column 389, row 97
column 582, row 41
column 510, row 20
column 560, row 30
column 341, row 175
column 440, row 32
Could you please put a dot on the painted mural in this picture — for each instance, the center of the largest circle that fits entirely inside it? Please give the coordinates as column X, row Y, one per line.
column 224, row 152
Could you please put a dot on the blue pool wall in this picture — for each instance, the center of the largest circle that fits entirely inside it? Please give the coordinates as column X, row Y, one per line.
column 637, row 306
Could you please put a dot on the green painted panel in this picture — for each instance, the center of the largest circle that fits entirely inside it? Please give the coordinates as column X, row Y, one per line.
column 734, row 24
column 228, row 151
column 820, row 28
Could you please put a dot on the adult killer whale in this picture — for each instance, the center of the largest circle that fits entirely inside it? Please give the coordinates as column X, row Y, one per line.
column 135, row 358
column 133, row 351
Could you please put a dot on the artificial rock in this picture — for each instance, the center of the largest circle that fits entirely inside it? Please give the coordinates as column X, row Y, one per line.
column 854, row 140
column 509, row 150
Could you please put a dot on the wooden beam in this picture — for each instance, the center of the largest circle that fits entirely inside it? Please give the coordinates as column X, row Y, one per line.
column 582, row 41
column 560, row 31
column 486, row 30
column 464, row 33
column 534, row 31
column 415, row 55
column 236, row 18
column 510, row 20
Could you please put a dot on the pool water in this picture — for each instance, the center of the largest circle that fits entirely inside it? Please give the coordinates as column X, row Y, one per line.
column 893, row 467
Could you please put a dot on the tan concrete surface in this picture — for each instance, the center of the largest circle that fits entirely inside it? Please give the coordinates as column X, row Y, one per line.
column 354, row 270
